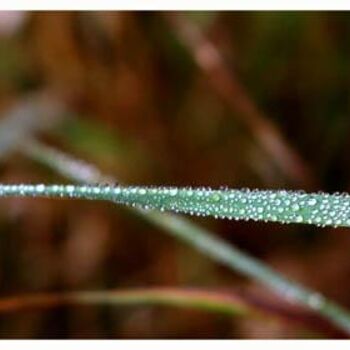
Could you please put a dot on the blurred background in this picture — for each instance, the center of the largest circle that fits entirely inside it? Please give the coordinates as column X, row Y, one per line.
column 238, row 99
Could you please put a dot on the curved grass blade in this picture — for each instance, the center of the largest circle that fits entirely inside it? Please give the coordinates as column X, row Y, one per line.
column 33, row 114
column 218, row 302
column 188, row 298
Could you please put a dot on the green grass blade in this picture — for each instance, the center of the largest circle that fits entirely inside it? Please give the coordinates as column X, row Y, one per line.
column 277, row 206
column 218, row 302
column 201, row 239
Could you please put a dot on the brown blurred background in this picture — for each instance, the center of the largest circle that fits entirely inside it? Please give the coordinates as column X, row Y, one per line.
column 258, row 99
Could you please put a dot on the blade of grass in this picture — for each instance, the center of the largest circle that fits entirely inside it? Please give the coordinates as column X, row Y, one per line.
column 201, row 239
column 35, row 113
column 198, row 299
column 276, row 206
column 218, row 302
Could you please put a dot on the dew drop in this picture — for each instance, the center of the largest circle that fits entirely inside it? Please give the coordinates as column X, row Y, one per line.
column 70, row 188
column 40, row 188
column 96, row 190
column 173, row 191
column 312, row 202
column 295, row 207
column 216, row 197
column 299, row 218
column 329, row 222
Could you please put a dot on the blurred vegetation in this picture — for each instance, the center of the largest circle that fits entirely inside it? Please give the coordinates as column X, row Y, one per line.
column 266, row 106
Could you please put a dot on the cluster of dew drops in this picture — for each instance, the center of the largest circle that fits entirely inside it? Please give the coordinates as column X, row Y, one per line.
column 281, row 206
